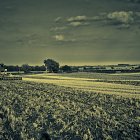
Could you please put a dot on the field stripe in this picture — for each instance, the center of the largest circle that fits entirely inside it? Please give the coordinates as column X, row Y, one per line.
column 100, row 87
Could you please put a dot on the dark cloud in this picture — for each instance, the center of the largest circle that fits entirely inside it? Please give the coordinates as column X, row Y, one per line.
column 134, row 1
column 71, row 31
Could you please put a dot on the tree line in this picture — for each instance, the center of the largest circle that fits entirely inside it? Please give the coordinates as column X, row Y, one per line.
column 25, row 67
column 53, row 66
column 50, row 66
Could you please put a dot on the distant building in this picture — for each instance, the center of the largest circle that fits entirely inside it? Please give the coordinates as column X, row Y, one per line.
column 109, row 68
column 123, row 65
column 118, row 71
column 81, row 69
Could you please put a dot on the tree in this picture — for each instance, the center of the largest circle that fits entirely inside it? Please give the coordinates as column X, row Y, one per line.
column 42, row 68
column 1, row 67
column 66, row 68
column 12, row 68
column 26, row 68
column 51, row 65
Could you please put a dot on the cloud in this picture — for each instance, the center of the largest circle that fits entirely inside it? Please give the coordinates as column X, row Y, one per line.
column 28, row 38
column 70, row 40
column 59, row 37
column 137, row 14
column 77, row 18
column 58, row 28
column 77, row 23
column 58, row 19
column 123, row 26
column 86, row 18
column 121, row 17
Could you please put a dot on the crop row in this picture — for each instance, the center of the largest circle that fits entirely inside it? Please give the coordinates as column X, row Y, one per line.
column 104, row 76
column 28, row 109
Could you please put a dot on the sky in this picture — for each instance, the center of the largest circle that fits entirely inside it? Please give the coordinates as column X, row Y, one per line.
column 73, row 32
